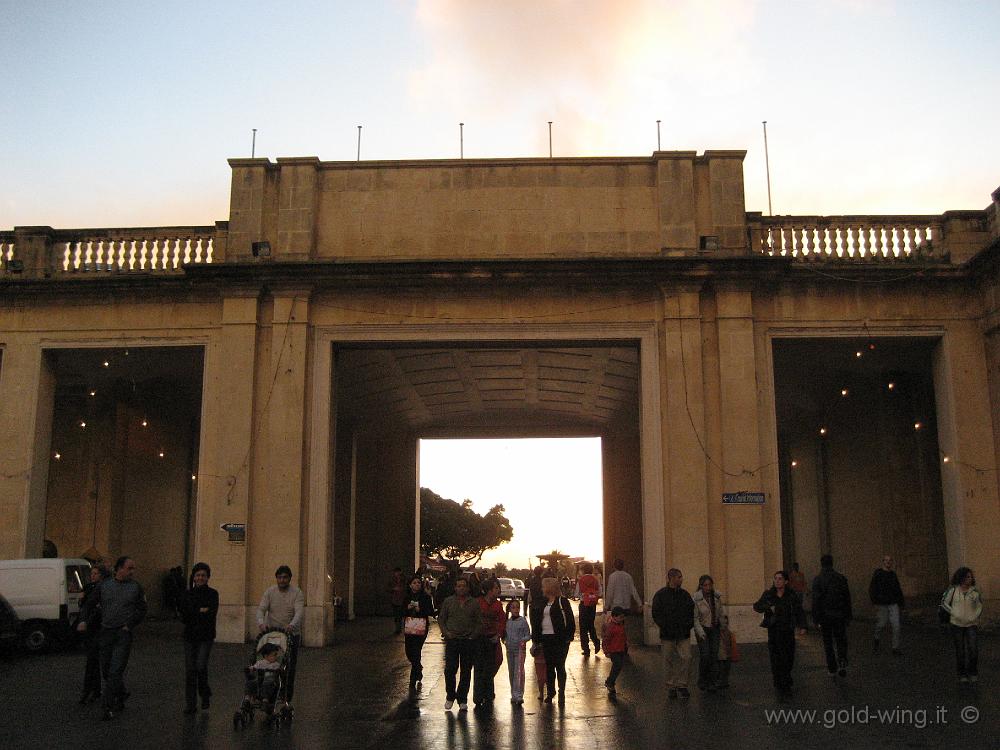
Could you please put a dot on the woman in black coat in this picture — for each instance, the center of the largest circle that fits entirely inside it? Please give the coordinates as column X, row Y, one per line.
column 199, row 608
column 553, row 627
column 90, row 612
column 783, row 613
column 417, row 608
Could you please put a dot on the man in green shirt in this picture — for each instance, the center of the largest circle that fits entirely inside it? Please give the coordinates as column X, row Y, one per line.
column 461, row 622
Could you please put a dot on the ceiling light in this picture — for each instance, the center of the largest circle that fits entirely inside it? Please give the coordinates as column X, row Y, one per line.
column 843, row 391
column 57, row 455
column 917, row 425
column 822, row 430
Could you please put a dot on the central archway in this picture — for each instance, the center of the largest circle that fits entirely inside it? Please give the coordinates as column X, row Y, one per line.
column 390, row 388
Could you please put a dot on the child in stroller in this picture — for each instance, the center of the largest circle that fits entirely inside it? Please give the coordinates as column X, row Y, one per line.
column 265, row 682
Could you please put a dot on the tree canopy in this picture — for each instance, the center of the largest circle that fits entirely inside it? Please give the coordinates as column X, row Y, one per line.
column 456, row 531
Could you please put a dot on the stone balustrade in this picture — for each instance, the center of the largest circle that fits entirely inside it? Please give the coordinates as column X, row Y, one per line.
column 34, row 252
column 159, row 250
column 874, row 239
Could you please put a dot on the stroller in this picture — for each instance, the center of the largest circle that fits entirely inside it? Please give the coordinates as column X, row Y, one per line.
column 265, row 688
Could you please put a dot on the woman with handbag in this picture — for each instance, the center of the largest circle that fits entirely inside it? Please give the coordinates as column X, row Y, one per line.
column 783, row 614
column 962, row 605
column 417, row 608
column 553, row 626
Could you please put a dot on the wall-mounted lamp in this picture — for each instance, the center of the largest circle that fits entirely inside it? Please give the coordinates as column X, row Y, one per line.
column 260, row 249
column 709, row 242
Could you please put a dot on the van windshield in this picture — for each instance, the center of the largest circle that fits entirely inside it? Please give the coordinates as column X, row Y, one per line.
column 75, row 577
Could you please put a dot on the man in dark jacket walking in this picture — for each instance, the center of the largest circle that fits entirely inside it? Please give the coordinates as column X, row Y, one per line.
column 887, row 596
column 831, row 610
column 122, row 605
column 673, row 611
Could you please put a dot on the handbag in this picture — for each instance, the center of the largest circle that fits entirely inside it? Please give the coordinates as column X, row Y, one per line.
column 768, row 619
column 944, row 615
column 415, row 626
column 734, row 649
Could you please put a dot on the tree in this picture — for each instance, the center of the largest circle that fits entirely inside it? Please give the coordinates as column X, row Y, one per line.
column 500, row 569
column 456, row 531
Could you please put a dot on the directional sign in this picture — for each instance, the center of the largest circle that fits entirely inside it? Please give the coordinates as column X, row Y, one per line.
column 237, row 532
column 742, row 498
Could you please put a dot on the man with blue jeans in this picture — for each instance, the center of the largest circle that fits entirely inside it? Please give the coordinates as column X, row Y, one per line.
column 461, row 623
column 887, row 596
column 122, row 604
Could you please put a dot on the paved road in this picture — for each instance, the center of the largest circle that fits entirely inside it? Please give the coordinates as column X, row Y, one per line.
column 354, row 695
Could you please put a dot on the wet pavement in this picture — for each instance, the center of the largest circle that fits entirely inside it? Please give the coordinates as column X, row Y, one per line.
column 354, row 695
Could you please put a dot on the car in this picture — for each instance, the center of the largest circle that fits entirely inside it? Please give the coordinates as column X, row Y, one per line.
column 10, row 625
column 45, row 595
column 522, row 591
column 507, row 589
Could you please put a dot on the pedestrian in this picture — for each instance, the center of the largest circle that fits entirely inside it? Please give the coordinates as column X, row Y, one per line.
column 122, row 605
column 199, row 607
column 710, row 622
column 831, row 610
column 489, row 651
column 397, row 598
column 673, row 611
column 90, row 612
column 887, row 596
column 517, row 634
column 620, row 589
column 963, row 603
column 783, row 614
column 553, row 628
column 589, row 592
column 615, row 646
column 541, row 671
column 281, row 608
column 461, row 623
column 536, row 597
column 797, row 583
column 417, row 608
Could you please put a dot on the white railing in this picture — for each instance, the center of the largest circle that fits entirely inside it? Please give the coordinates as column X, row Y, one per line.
column 163, row 250
column 848, row 238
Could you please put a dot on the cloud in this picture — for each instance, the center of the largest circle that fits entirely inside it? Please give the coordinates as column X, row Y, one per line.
column 589, row 66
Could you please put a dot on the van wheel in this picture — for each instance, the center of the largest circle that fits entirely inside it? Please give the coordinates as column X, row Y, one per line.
column 35, row 637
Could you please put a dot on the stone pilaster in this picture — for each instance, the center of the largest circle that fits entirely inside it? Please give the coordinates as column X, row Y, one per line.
column 223, row 484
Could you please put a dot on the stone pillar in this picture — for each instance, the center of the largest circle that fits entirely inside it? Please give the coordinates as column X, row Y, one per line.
column 622, row 485
column 386, row 502
column 319, row 510
column 739, row 463
column 33, row 247
column 223, row 484
column 279, row 496
column 727, row 204
column 27, row 391
column 686, row 531
column 676, row 201
column 298, row 199
column 253, row 207
column 965, row 436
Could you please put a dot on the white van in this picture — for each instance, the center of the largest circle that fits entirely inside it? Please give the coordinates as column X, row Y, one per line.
column 45, row 594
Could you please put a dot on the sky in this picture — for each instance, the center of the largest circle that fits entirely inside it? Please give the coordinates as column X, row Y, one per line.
column 124, row 113
column 550, row 490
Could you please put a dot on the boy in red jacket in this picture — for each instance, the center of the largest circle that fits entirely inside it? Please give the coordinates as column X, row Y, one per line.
column 615, row 646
